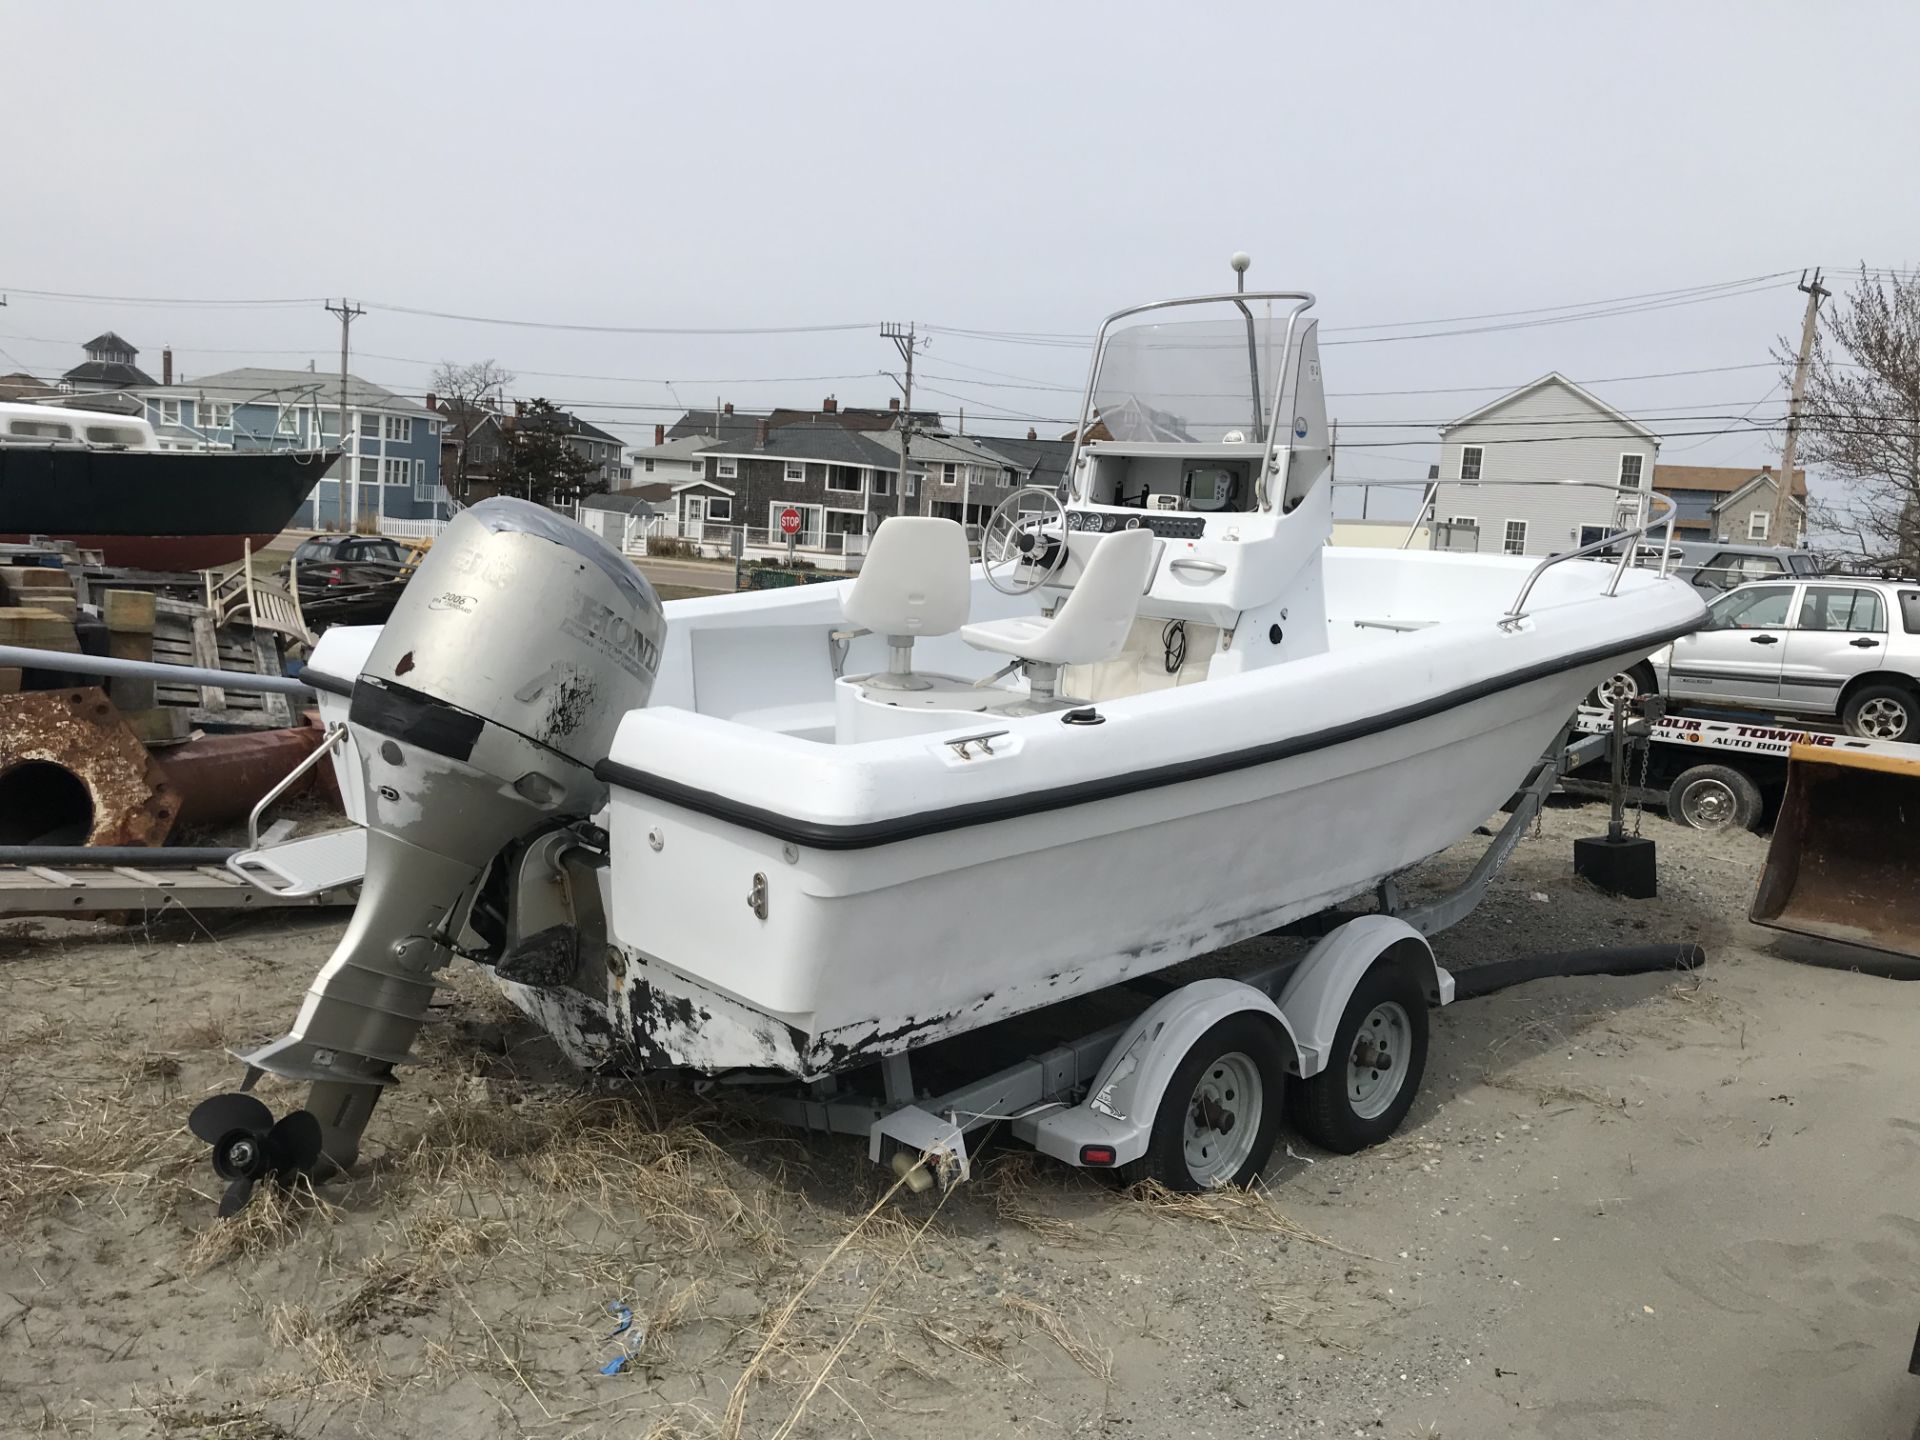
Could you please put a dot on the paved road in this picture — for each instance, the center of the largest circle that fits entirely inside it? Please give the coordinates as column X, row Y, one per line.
column 693, row 575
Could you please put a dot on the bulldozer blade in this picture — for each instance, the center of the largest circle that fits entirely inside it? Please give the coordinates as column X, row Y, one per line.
column 1845, row 859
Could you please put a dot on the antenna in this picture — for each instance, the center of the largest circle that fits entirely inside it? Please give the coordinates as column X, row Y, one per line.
column 1240, row 261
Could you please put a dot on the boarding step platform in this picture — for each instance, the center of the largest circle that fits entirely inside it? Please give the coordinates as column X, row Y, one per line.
column 307, row 869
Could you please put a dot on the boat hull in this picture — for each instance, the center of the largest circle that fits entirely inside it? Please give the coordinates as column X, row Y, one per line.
column 878, row 948
column 155, row 509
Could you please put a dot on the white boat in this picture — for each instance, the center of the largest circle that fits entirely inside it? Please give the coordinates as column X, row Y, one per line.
column 837, row 823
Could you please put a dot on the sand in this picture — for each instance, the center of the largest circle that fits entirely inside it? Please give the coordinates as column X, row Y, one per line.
column 1622, row 1207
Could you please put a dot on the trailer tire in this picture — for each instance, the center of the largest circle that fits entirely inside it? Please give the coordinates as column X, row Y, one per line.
column 1636, row 682
column 1344, row 1108
column 1239, row 1052
column 1714, row 797
column 1881, row 711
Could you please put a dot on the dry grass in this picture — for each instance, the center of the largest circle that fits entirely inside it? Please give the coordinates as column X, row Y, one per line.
column 101, row 1142
column 274, row 1215
column 1545, row 1094
column 181, row 1419
column 393, row 1287
column 610, row 1156
column 735, row 1415
column 208, row 1032
column 1231, row 1209
column 332, row 1362
column 38, row 1030
column 1011, row 1184
column 1096, row 1361
column 981, row 1342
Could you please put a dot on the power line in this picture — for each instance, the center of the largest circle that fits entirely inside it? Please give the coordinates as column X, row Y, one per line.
column 1586, row 309
column 1590, row 310
column 620, row 329
column 1580, row 305
column 66, row 296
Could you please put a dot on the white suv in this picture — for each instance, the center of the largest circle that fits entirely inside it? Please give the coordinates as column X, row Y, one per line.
column 1836, row 646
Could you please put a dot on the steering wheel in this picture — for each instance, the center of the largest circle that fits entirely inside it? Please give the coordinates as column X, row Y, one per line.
column 1014, row 541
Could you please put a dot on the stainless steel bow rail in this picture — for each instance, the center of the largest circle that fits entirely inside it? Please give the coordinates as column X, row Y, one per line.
column 1628, row 539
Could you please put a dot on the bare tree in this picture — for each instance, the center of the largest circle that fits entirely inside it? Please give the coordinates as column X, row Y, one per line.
column 1861, row 419
column 473, row 395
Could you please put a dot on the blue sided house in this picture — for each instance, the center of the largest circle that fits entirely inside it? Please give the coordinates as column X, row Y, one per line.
column 391, row 466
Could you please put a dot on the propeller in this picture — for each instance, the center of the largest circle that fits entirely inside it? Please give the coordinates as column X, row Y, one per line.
column 249, row 1144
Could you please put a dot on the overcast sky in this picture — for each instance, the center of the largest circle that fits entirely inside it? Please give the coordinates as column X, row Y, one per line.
column 1005, row 167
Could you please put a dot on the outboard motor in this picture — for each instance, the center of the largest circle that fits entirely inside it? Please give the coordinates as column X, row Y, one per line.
column 493, row 690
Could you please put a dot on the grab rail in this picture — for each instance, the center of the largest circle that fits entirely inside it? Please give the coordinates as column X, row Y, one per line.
column 1431, row 494
column 1626, row 539
column 336, row 732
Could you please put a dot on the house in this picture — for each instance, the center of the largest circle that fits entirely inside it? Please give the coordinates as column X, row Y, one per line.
column 1040, row 462
column 1731, row 503
column 720, row 424
column 842, row 482
column 473, row 444
column 21, row 386
column 726, row 423
column 607, row 467
column 837, row 466
column 965, row 478
column 391, row 464
column 1550, row 430
column 108, row 366
column 668, row 461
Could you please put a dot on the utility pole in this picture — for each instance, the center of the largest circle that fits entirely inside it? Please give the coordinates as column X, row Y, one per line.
column 1783, row 487
column 905, row 342
column 349, row 508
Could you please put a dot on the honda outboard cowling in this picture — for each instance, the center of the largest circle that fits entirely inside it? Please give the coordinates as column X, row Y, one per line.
column 514, row 652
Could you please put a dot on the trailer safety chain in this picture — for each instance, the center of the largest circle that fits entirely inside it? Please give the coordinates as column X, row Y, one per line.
column 1645, row 743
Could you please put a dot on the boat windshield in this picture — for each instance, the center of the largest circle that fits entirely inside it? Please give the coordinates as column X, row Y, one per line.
column 1192, row 381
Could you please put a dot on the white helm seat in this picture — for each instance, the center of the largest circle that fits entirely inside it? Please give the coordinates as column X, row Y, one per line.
column 1090, row 628
column 914, row 582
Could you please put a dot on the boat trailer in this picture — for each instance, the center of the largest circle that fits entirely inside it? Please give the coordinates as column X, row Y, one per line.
column 1102, row 1100
column 1116, row 1098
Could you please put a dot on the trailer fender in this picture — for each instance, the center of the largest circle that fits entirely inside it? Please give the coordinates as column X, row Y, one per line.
column 1315, row 995
column 1127, row 1089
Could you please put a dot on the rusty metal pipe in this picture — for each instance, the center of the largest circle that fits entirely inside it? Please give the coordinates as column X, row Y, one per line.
column 71, row 771
column 218, row 778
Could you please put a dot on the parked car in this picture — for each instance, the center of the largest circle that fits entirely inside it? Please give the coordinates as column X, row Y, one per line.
column 333, row 562
column 1716, row 567
column 1843, row 647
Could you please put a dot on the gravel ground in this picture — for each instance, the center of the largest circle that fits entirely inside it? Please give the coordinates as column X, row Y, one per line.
column 1621, row 1207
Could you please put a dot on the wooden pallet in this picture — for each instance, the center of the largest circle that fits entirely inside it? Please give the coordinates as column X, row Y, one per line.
column 184, row 634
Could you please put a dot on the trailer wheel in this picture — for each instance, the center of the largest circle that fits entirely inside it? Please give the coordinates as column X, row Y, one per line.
column 1880, row 712
column 1221, row 1110
column 1373, row 1070
column 1714, row 797
column 1631, row 684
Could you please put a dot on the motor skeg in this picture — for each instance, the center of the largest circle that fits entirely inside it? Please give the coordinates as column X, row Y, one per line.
column 492, row 691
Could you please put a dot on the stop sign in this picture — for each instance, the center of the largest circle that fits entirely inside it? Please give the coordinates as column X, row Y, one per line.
column 789, row 521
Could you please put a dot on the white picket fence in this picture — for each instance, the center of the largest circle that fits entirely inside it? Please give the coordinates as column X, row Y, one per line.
column 714, row 540
column 411, row 529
